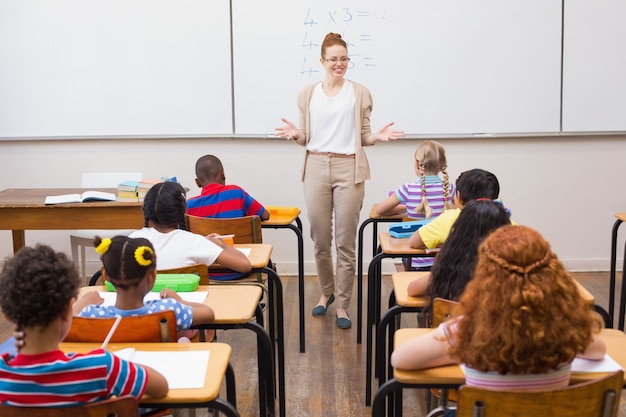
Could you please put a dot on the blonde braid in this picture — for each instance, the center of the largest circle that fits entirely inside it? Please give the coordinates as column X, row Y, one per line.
column 446, row 188
column 423, row 208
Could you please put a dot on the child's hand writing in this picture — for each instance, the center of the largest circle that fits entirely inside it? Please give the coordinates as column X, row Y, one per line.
column 168, row 293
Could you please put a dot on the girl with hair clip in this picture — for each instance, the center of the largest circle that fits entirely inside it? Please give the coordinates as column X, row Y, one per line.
column 520, row 322
column 455, row 263
column 334, row 126
column 164, row 214
column 130, row 265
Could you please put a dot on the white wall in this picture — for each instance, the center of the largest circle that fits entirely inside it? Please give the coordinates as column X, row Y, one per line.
column 567, row 188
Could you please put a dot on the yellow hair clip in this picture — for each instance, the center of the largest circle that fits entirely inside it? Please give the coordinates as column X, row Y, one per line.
column 139, row 255
column 104, row 245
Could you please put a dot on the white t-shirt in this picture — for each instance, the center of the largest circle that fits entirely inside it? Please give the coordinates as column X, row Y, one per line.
column 179, row 248
column 332, row 120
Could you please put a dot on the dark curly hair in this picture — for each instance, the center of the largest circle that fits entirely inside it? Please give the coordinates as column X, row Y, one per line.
column 165, row 204
column 454, row 265
column 120, row 262
column 37, row 285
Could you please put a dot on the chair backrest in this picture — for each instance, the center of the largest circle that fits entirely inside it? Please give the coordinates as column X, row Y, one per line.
column 442, row 310
column 201, row 270
column 246, row 229
column 113, row 407
column 155, row 327
column 108, row 179
column 596, row 398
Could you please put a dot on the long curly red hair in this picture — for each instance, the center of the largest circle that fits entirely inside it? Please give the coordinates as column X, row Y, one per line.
column 522, row 312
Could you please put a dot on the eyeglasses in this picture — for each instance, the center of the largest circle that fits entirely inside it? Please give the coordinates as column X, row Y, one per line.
column 333, row 60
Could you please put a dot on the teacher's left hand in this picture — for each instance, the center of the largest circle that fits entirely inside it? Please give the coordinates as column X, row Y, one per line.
column 385, row 134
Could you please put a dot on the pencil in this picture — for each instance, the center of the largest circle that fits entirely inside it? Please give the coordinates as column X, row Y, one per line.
column 117, row 322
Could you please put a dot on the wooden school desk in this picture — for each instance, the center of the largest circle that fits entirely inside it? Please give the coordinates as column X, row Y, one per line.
column 373, row 219
column 207, row 396
column 451, row 376
column 390, row 247
column 259, row 258
column 24, row 209
column 284, row 218
column 621, row 217
column 239, row 315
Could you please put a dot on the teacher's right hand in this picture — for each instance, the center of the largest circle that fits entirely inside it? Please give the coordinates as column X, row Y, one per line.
column 288, row 131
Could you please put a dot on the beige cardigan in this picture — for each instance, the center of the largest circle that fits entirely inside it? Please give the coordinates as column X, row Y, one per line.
column 363, row 109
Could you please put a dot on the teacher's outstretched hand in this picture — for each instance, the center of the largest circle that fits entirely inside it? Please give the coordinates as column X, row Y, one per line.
column 288, row 130
column 385, row 134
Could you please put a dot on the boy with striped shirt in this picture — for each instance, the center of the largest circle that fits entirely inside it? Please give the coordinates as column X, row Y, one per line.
column 37, row 289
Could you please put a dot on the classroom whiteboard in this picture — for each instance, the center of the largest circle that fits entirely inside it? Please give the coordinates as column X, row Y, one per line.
column 114, row 67
column 594, row 65
column 432, row 66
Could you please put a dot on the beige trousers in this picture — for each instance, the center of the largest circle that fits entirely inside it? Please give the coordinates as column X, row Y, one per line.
column 329, row 189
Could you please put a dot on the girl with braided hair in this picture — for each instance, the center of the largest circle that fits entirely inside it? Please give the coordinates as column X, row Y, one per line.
column 425, row 198
column 520, row 323
column 130, row 265
column 430, row 194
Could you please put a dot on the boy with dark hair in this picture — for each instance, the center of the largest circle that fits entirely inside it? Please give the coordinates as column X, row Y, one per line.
column 218, row 200
column 38, row 287
column 471, row 185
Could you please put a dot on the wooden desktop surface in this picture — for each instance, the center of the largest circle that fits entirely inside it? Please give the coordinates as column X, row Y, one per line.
column 396, row 246
column 232, row 304
column 374, row 215
column 453, row 375
column 218, row 362
column 259, row 255
column 281, row 216
column 24, row 209
column 401, row 281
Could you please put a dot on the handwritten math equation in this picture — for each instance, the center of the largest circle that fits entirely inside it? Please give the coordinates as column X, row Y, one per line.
column 357, row 27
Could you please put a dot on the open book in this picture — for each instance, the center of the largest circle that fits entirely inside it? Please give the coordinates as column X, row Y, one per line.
column 79, row 198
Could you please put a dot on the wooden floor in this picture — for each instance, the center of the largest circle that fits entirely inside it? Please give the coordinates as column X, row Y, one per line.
column 329, row 378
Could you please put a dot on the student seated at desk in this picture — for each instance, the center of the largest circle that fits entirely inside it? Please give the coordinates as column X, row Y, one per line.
column 37, row 289
column 218, row 200
column 455, row 263
column 164, row 214
column 520, row 323
column 130, row 265
column 472, row 184
column 427, row 197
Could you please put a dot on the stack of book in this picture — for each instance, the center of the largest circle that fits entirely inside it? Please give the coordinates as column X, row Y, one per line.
column 145, row 185
column 127, row 191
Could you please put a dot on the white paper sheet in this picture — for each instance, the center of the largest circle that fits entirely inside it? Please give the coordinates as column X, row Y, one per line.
column 608, row 364
column 194, row 296
column 183, row 370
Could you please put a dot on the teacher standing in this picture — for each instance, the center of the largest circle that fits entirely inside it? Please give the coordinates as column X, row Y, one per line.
column 334, row 127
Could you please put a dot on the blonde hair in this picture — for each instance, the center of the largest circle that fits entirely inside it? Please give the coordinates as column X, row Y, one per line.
column 431, row 158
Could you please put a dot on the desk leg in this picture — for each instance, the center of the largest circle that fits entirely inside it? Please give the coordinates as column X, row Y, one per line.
column 276, row 295
column 372, row 286
column 265, row 357
column 231, row 392
column 359, row 280
column 616, row 226
column 19, row 240
column 389, row 387
column 297, row 229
